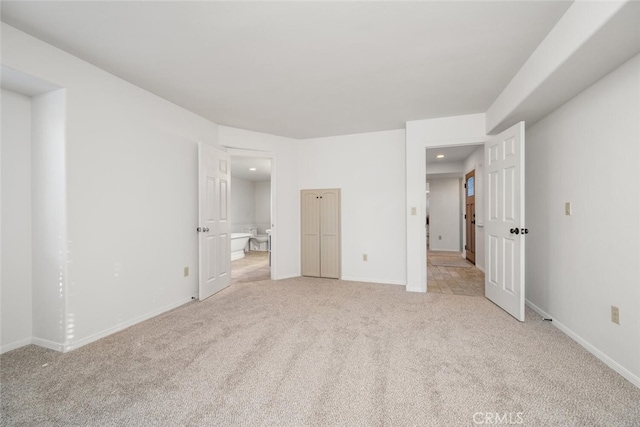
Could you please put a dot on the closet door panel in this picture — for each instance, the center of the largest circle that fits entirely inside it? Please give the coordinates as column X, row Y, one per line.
column 330, row 247
column 310, row 232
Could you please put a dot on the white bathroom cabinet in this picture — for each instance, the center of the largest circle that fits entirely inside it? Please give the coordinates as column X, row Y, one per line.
column 320, row 231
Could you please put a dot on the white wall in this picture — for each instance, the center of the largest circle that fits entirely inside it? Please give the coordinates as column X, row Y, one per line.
column 369, row 169
column 442, row 168
column 444, row 217
column 131, row 165
column 578, row 266
column 52, row 324
column 283, row 152
column 422, row 134
column 263, row 206
column 243, row 204
column 476, row 161
column 250, row 205
column 15, row 289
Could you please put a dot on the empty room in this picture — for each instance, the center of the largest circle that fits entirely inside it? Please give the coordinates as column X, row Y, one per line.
column 316, row 213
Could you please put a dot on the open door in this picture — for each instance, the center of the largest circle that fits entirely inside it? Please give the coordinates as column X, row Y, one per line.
column 504, row 220
column 214, row 226
column 470, row 216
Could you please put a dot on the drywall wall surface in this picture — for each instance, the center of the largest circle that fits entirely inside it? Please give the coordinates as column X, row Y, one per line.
column 283, row 152
column 242, row 204
column 132, row 198
column 420, row 135
column 263, row 206
column 15, row 284
column 369, row 170
column 52, row 324
column 448, row 168
column 591, row 39
column 578, row 266
column 444, row 215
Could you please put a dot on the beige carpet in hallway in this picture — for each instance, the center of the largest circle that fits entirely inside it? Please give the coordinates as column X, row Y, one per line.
column 315, row 352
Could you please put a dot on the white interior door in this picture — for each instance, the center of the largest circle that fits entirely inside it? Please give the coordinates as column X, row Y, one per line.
column 504, row 220
column 214, row 226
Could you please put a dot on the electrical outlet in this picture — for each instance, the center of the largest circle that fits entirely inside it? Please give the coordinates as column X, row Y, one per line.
column 615, row 314
column 186, row 271
column 567, row 208
column 365, row 257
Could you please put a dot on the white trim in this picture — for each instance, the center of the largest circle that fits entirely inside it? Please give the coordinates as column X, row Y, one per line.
column 106, row 332
column 419, row 290
column 370, row 280
column 47, row 344
column 633, row 379
column 16, row 344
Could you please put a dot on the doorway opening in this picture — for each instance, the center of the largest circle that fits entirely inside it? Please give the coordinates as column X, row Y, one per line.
column 251, row 218
column 450, row 229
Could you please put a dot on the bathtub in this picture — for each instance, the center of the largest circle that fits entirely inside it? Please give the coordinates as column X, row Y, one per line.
column 238, row 243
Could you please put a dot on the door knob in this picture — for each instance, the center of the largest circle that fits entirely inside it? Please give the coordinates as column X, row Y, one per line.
column 514, row 231
column 525, row 231
column 206, row 229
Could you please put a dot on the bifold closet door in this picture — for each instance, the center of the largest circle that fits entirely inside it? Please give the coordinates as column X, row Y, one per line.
column 320, row 227
column 310, row 230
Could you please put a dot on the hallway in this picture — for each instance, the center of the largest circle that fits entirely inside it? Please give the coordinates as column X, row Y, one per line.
column 449, row 273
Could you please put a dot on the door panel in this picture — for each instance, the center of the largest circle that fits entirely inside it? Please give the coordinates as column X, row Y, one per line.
column 214, row 225
column 330, row 232
column 470, row 216
column 504, row 281
column 310, row 230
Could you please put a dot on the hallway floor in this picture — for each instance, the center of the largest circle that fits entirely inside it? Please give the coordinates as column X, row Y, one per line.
column 449, row 273
column 252, row 268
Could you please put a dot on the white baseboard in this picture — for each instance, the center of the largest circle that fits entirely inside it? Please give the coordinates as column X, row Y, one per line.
column 16, row 344
column 420, row 290
column 633, row 379
column 95, row 337
column 369, row 280
column 51, row 345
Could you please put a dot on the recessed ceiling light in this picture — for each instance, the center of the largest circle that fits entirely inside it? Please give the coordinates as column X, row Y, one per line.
column 252, row 169
column 440, row 156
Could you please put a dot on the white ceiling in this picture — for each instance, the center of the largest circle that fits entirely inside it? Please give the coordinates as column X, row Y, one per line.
column 451, row 154
column 303, row 69
column 240, row 168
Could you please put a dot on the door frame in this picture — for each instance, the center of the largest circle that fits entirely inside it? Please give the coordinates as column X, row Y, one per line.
column 419, row 163
column 245, row 152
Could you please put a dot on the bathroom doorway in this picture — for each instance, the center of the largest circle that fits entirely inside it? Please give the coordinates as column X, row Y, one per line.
column 251, row 218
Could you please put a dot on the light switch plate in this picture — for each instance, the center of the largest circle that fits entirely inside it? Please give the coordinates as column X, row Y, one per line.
column 567, row 208
column 414, row 211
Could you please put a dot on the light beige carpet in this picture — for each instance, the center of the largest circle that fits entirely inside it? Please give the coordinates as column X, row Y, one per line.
column 320, row 352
